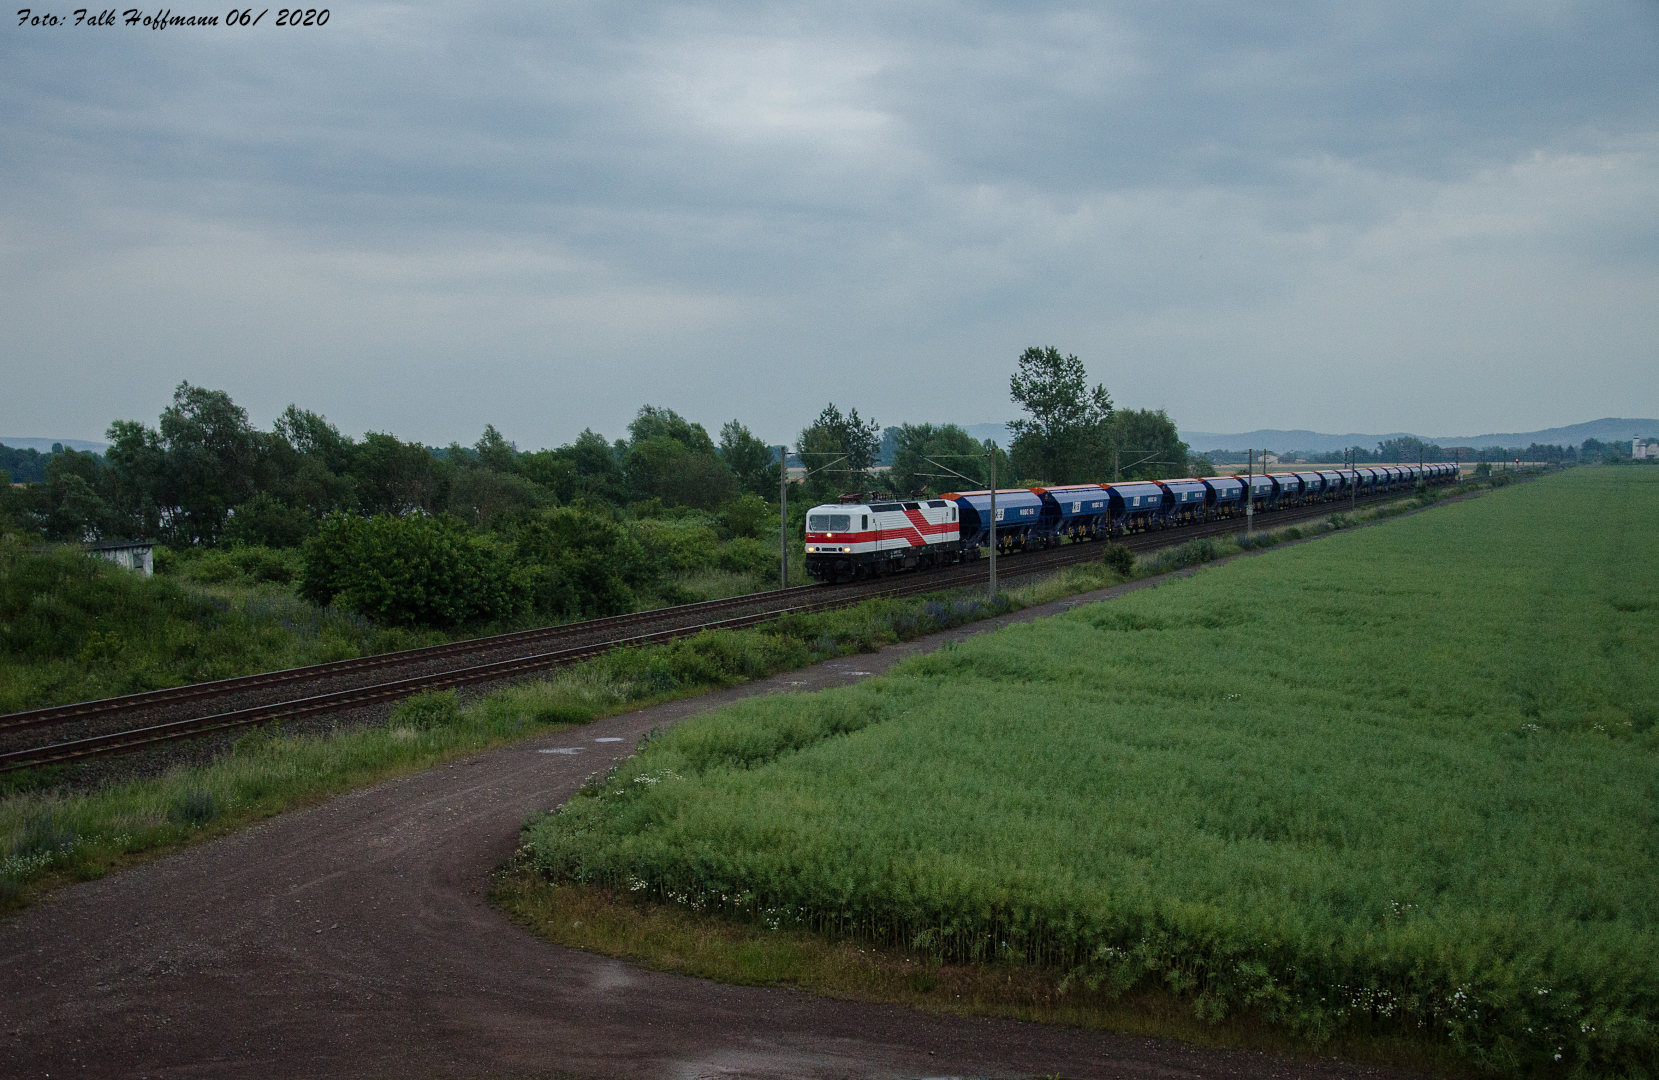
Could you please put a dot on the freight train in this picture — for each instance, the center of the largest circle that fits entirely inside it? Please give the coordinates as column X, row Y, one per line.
column 860, row 537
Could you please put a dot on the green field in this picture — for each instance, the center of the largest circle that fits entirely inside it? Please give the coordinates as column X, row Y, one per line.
column 1400, row 783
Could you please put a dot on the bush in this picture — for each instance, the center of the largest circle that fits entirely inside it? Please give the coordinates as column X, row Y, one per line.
column 748, row 515
column 577, row 563
column 677, row 546
column 1118, row 559
column 746, row 555
column 1191, row 553
column 417, row 570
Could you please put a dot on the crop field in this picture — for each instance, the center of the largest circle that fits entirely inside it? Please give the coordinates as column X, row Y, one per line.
column 1402, row 782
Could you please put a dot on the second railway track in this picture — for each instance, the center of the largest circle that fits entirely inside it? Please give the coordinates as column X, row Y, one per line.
column 171, row 714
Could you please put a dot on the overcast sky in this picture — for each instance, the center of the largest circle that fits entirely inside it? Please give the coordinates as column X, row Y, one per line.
column 423, row 218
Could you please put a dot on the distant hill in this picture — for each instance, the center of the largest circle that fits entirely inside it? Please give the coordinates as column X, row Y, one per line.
column 999, row 432
column 1609, row 429
column 45, row 445
column 1280, row 441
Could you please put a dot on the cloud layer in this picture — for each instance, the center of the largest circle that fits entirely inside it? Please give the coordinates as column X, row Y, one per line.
column 427, row 217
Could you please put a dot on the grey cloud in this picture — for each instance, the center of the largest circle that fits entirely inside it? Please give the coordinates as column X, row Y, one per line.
column 689, row 192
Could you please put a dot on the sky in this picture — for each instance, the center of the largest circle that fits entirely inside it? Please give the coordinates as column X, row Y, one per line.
column 424, row 218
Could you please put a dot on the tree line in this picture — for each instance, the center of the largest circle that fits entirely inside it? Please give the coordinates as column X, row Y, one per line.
column 406, row 532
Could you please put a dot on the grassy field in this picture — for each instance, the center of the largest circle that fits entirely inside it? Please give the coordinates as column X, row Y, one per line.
column 1400, row 784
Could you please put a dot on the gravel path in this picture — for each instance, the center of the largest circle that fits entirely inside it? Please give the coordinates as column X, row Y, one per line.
column 354, row 939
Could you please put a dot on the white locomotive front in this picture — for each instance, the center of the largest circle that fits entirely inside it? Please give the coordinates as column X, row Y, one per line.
column 850, row 540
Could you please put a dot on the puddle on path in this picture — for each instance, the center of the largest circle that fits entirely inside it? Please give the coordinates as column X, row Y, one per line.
column 561, row 750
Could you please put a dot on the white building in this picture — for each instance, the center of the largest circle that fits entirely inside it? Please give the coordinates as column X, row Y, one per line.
column 132, row 554
column 1643, row 448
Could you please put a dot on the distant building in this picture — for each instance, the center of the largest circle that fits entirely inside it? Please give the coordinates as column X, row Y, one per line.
column 1644, row 448
column 132, row 554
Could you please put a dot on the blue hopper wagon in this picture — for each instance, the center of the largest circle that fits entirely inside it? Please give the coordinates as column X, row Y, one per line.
column 1287, row 491
column 1190, row 497
column 1019, row 517
column 1138, row 506
column 1078, row 512
column 1225, row 496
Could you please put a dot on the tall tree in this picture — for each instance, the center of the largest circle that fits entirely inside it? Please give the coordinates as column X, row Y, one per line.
column 951, row 447
column 753, row 462
column 1142, row 444
column 495, row 452
column 205, row 460
column 833, row 436
column 1060, row 438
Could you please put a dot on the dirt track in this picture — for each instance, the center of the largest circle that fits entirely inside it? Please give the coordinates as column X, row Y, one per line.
column 354, row 939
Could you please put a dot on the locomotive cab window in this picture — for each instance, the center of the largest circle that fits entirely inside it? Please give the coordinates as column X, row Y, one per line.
column 826, row 523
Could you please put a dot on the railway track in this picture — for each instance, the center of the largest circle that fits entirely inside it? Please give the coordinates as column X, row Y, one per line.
column 176, row 713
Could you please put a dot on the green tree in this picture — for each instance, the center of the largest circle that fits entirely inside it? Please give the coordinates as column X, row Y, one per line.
column 654, row 423
column 185, row 478
column 486, row 497
column 1061, row 439
column 951, row 447
column 495, row 452
column 319, row 480
column 749, row 515
column 212, row 463
column 554, row 471
column 673, row 459
column 1408, row 449
column 75, row 507
column 753, row 462
column 395, row 477
column 1141, row 444
column 833, row 436
column 266, row 521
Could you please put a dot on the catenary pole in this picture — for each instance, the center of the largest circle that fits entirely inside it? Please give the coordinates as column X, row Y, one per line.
column 783, row 517
column 1250, row 497
column 993, row 456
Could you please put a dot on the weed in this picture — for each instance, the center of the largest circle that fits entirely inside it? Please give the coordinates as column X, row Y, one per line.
column 422, row 712
column 193, row 809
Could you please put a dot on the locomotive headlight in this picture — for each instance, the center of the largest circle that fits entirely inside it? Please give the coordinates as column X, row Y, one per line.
column 846, row 549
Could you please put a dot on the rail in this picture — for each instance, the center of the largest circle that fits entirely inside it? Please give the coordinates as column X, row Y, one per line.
column 579, row 641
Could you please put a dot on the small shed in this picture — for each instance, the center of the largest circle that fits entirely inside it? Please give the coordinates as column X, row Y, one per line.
column 132, row 554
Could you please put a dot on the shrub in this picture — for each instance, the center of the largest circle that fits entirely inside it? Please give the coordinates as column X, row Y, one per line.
column 677, row 546
column 1118, row 559
column 746, row 555
column 417, row 570
column 748, row 515
column 1191, row 553
column 577, row 563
